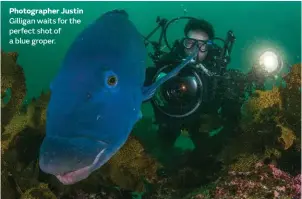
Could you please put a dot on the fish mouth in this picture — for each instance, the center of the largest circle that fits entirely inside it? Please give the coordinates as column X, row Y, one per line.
column 79, row 174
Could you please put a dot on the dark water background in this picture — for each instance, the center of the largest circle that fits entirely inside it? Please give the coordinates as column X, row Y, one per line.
column 257, row 25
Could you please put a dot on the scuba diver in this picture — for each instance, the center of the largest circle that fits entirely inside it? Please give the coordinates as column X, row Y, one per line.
column 203, row 97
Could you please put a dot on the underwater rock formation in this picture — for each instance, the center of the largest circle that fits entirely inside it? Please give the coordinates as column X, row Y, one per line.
column 270, row 122
column 261, row 182
column 13, row 80
column 13, row 91
column 41, row 191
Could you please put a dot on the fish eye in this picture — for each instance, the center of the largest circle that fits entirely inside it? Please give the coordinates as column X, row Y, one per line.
column 112, row 80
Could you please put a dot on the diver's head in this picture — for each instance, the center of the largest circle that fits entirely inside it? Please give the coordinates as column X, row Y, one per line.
column 197, row 33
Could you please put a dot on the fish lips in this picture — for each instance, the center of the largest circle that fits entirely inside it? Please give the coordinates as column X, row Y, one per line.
column 71, row 159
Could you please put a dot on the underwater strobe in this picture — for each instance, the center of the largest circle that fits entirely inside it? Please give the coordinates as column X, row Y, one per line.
column 269, row 64
column 183, row 94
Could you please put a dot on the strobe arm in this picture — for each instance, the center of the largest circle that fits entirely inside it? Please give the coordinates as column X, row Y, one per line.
column 156, row 45
column 225, row 55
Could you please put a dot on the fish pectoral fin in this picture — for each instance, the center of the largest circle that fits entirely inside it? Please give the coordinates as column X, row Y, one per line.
column 103, row 143
column 149, row 91
column 140, row 115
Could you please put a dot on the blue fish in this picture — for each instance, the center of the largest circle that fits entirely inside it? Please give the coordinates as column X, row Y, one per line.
column 96, row 98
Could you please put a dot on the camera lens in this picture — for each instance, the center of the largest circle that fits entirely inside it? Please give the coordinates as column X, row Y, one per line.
column 180, row 96
column 180, row 90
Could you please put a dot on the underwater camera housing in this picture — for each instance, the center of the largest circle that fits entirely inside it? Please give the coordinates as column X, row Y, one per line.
column 183, row 94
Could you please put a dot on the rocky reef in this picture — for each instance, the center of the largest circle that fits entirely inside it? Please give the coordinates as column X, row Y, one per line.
column 270, row 125
column 262, row 161
column 264, row 181
column 13, row 81
column 23, row 129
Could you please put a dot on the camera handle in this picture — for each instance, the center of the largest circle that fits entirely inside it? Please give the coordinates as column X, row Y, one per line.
column 225, row 55
column 156, row 45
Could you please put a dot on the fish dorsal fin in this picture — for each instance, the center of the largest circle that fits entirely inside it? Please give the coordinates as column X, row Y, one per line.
column 117, row 11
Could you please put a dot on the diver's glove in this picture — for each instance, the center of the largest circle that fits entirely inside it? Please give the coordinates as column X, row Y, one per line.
column 205, row 70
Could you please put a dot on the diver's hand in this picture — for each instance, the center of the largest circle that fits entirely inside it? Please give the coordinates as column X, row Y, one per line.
column 204, row 69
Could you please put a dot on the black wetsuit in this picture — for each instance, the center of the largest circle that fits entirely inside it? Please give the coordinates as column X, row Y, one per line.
column 170, row 127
